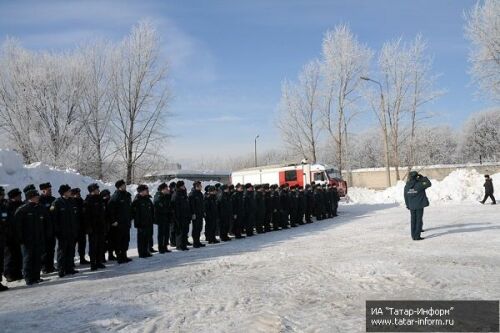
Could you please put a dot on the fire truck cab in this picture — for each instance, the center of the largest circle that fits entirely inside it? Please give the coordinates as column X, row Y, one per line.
column 293, row 174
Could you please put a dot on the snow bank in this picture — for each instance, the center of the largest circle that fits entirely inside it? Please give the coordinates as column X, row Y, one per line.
column 459, row 186
column 13, row 173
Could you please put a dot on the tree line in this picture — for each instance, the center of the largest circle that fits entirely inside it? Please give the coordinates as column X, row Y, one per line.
column 348, row 79
column 99, row 109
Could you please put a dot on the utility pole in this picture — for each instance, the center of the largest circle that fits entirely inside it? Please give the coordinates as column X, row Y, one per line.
column 384, row 127
column 255, row 150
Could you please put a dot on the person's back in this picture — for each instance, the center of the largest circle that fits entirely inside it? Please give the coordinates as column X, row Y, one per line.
column 416, row 200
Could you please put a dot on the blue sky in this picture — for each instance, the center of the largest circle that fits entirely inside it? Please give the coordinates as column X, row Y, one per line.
column 229, row 58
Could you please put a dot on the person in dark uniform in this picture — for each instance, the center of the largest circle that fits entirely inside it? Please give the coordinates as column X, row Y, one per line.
column 197, row 213
column 416, row 200
column 275, row 203
column 260, row 209
column 210, row 208
column 268, row 212
column 83, row 229
column 13, row 259
column 3, row 226
column 250, row 209
column 27, row 188
column 65, row 218
column 182, row 214
column 29, row 220
column 488, row 190
column 120, row 215
column 105, row 196
column 301, row 202
column 46, row 200
column 172, row 216
column 225, row 212
column 318, row 203
column 163, row 216
column 294, row 207
column 284, row 206
column 143, row 215
column 335, row 200
column 238, row 212
column 309, row 203
column 94, row 214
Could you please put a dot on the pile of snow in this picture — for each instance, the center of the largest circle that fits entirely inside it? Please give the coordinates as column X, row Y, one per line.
column 461, row 185
column 13, row 173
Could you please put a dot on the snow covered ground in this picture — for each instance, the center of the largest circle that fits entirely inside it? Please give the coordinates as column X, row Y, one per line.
column 314, row 278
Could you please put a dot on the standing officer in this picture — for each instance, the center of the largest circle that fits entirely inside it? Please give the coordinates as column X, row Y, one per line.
column 284, row 206
column 76, row 199
column 120, row 217
column 260, row 209
column 197, row 212
column 336, row 199
column 238, row 212
column 416, row 200
column 143, row 215
column 3, row 226
column 275, row 206
column 210, row 208
column 301, row 201
column 30, row 229
column 268, row 204
column 225, row 212
column 94, row 212
column 46, row 200
column 13, row 259
column 309, row 203
column 182, row 214
column 65, row 219
column 105, row 196
column 163, row 216
column 250, row 209
column 172, row 186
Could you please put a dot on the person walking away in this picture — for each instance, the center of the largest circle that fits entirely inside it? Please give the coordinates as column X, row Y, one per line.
column 488, row 190
column 416, row 200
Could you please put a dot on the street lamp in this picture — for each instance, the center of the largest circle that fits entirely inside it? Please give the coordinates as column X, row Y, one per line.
column 255, row 151
column 384, row 121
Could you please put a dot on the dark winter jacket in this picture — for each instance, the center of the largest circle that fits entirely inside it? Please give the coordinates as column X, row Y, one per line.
column 46, row 202
column 119, row 208
column 10, row 228
column 238, row 205
column 260, row 206
column 78, row 207
column 250, row 208
column 180, row 206
column 414, row 193
column 3, row 218
column 196, row 203
column 284, row 201
column 94, row 213
column 488, row 186
column 143, row 211
column 225, row 206
column 65, row 217
column 163, row 208
column 210, row 207
column 29, row 224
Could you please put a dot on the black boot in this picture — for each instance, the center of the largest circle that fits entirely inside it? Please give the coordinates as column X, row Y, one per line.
column 3, row 288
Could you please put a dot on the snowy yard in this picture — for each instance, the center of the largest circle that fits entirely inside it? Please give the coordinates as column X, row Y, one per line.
column 314, row 278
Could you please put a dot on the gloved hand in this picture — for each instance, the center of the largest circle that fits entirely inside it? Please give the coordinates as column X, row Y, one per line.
column 115, row 224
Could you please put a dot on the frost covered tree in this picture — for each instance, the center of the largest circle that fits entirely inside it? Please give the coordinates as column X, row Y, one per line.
column 98, row 103
column 141, row 94
column 480, row 140
column 483, row 30
column 344, row 61
column 299, row 117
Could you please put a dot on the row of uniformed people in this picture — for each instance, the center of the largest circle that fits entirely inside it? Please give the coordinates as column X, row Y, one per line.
column 29, row 229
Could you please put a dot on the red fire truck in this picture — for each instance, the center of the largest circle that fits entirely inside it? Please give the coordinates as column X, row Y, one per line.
column 293, row 174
